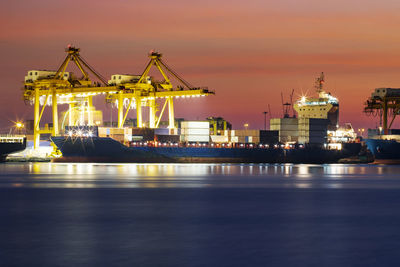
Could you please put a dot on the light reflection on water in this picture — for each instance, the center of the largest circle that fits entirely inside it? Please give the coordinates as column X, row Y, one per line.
column 83, row 175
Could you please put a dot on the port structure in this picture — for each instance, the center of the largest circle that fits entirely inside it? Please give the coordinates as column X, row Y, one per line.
column 143, row 91
column 61, row 87
column 384, row 102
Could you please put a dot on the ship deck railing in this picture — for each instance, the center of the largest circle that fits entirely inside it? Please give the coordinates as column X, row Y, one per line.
column 10, row 138
column 209, row 145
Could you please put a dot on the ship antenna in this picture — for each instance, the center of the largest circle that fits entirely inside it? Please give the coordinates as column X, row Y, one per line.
column 319, row 83
column 291, row 103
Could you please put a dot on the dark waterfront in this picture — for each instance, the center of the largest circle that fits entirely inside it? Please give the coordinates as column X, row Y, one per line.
column 199, row 215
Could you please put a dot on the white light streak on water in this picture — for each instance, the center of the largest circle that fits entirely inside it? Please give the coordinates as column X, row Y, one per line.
column 83, row 175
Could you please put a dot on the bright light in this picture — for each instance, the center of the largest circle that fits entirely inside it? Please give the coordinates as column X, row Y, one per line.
column 19, row 125
column 79, row 133
column 335, row 146
column 90, row 134
column 70, row 133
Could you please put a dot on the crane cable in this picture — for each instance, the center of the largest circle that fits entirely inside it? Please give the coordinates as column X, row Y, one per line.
column 187, row 84
column 98, row 75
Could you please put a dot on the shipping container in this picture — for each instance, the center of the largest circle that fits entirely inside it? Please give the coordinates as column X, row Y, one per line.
column 167, row 138
column 313, row 131
column 269, row 137
column 195, row 138
column 192, row 131
column 287, row 127
column 146, row 134
column 195, row 125
column 161, row 131
column 248, row 132
column 234, row 139
column 219, row 139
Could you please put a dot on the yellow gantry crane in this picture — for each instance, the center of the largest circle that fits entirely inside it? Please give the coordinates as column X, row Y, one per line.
column 144, row 91
column 51, row 88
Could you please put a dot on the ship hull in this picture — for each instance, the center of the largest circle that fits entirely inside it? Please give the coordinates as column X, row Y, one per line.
column 103, row 149
column 7, row 148
column 384, row 151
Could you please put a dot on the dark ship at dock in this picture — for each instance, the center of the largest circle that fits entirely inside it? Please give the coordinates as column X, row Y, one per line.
column 384, row 142
column 11, row 144
column 105, row 149
column 290, row 140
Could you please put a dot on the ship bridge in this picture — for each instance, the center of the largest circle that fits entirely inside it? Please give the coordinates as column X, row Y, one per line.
column 325, row 106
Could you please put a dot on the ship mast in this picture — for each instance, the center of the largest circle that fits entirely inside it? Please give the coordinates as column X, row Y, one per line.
column 319, row 83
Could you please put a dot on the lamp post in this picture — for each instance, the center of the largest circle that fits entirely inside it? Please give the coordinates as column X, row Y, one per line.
column 19, row 126
column 361, row 131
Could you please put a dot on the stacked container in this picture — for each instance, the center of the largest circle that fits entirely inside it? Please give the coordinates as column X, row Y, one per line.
column 287, row 127
column 313, row 131
column 195, row 131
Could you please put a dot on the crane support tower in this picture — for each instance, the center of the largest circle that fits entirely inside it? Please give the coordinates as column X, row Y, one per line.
column 384, row 102
column 53, row 88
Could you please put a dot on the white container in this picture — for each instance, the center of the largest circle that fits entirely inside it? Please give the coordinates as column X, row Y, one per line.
column 219, row 139
column 195, row 138
column 195, row 124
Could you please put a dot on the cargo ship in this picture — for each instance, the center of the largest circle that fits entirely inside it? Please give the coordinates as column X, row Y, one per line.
column 106, row 149
column 296, row 140
column 384, row 142
column 11, row 144
column 386, row 149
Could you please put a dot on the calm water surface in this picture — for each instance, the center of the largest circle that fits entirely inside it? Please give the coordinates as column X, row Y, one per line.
column 199, row 215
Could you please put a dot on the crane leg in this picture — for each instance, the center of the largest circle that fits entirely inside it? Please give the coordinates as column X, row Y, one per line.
column 171, row 112
column 36, row 121
column 120, row 111
column 55, row 113
column 152, row 113
column 90, row 110
column 139, row 112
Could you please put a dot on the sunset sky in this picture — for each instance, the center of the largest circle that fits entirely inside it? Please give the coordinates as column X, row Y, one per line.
column 247, row 51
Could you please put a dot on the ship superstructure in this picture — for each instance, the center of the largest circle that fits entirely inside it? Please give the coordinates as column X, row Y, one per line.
column 315, row 117
column 325, row 106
